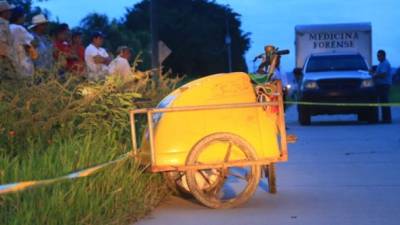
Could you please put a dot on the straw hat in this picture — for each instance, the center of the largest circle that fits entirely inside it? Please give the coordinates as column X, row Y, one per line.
column 38, row 19
column 4, row 6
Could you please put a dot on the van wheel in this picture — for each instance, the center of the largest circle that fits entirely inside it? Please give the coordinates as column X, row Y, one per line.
column 373, row 115
column 304, row 117
column 362, row 116
column 368, row 115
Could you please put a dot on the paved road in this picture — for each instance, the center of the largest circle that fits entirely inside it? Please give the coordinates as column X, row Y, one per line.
column 339, row 172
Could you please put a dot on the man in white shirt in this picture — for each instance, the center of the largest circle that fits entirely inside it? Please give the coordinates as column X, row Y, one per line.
column 97, row 58
column 120, row 65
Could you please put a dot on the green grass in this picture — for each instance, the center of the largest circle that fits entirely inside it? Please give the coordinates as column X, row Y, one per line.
column 52, row 128
column 395, row 93
column 119, row 194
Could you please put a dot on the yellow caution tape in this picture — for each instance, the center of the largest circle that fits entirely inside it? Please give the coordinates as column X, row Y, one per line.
column 16, row 187
column 394, row 104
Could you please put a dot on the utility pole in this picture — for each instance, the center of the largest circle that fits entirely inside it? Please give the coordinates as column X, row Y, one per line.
column 228, row 42
column 155, row 64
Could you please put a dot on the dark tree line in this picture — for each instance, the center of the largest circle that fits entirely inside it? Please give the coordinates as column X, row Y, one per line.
column 194, row 30
column 28, row 7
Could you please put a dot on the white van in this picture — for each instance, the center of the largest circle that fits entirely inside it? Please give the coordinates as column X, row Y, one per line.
column 333, row 62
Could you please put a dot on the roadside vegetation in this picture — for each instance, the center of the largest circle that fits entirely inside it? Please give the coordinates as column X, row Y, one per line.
column 395, row 93
column 49, row 128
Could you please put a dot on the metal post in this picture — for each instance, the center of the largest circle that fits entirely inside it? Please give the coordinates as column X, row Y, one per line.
column 155, row 64
column 228, row 42
column 133, row 132
column 281, row 123
column 151, row 137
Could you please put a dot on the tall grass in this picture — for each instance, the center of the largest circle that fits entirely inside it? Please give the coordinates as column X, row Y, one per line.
column 53, row 127
column 120, row 194
column 73, row 107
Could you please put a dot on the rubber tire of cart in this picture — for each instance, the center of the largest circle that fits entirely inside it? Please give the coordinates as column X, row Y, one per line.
column 173, row 181
column 253, row 178
column 304, row 116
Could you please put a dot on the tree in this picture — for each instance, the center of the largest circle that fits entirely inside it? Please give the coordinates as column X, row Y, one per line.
column 30, row 11
column 195, row 31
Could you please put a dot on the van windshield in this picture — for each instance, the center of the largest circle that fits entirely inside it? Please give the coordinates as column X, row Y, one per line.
column 335, row 63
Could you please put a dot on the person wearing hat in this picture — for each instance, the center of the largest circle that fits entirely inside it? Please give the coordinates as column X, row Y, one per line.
column 120, row 65
column 97, row 58
column 42, row 43
column 22, row 42
column 8, row 62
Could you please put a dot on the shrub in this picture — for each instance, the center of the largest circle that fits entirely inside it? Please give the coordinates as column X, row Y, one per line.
column 72, row 107
column 50, row 127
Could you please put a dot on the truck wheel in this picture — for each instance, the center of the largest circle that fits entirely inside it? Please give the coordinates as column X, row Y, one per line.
column 362, row 116
column 224, row 187
column 304, row 117
column 373, row 115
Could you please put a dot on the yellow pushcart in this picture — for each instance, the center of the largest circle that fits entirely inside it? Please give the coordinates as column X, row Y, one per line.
column 214, row 137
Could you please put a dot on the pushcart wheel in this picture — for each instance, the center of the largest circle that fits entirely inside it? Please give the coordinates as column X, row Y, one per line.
column 271, row 176
column 222, row 187
column 176, row 182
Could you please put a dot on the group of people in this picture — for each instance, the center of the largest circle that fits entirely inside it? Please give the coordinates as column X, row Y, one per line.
column 99, row 63
column 25, row 51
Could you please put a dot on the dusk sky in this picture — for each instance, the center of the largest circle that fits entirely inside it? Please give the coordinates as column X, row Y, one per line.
column 272, row 22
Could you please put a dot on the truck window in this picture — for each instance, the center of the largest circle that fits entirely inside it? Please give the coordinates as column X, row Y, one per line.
column 336, row 63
